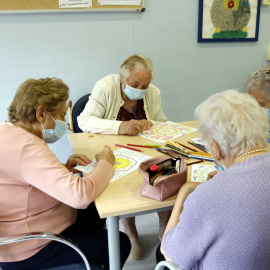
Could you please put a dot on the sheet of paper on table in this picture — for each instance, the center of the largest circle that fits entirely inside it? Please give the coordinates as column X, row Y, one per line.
column 126, row 161
column 166, row 131
column 200, row 172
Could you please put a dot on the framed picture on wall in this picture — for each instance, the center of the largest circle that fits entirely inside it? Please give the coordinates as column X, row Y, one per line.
column 228, row 20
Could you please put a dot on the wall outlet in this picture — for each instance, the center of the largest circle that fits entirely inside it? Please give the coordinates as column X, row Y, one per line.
column 266, row 2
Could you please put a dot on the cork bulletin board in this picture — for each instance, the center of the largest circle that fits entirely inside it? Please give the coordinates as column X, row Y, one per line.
column 43, row 6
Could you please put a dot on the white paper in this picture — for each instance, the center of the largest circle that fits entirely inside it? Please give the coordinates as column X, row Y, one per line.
column 200, row 172
column 75, row 3
column 168, row 130
column 126, row 161
column 119, row 2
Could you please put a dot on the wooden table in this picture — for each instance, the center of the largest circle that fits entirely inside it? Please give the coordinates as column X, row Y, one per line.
column 122, row 197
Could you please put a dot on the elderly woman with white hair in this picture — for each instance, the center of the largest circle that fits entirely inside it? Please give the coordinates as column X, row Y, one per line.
column 224, row 223
column 126, row 104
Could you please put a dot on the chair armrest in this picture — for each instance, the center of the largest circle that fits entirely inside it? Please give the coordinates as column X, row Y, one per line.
column 47, row 236
column 170, row 265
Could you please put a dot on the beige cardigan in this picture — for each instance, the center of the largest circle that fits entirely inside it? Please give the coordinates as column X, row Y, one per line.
column 100, row 112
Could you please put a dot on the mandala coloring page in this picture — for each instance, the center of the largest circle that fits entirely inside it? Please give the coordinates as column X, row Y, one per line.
column 200, row 172
column 168, row 130
column 126, row 161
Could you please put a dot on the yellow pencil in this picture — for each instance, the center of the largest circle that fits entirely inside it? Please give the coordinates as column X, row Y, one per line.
column 174, row 144
column 201, row 154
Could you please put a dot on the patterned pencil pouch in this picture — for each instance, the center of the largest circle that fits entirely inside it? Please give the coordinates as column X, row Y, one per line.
column 164, row 181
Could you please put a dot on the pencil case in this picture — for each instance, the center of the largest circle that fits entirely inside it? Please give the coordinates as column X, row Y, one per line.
column 162, row 187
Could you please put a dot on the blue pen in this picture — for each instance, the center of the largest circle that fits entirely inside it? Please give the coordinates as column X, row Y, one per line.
column 134, row 113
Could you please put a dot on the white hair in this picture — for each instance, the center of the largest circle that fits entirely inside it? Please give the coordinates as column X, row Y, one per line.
column 234, row 120
column 136, row 61
column 259, row 80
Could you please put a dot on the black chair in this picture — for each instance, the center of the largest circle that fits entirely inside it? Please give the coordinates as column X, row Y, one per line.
column 77, row 109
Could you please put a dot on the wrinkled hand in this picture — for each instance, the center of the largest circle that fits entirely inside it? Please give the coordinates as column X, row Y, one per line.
column 134, row 127
column 212, row 174
column 75, row 160
column 145, row 124
column 106, row 154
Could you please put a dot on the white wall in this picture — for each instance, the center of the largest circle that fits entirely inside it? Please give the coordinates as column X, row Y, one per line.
column 80, row 48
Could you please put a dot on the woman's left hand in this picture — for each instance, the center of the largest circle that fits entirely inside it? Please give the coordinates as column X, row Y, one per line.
column 75, row 160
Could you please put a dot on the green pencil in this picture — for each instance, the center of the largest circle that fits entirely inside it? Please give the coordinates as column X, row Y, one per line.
column 152, row 145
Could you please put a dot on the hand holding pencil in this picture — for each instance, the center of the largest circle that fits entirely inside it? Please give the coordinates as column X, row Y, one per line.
column 134, row 127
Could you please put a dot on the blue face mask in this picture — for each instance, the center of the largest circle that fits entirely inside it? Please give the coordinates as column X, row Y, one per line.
column 133, row 93
column 221, row 168
column 53, row 135
column 268, row 113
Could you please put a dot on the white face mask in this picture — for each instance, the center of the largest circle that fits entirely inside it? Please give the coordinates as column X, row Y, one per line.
column 53, row 135
column 133, row 93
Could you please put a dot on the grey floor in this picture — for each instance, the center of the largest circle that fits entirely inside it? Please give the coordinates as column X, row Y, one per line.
column 147, row 226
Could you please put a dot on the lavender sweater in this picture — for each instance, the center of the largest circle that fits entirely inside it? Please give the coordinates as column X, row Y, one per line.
column 225, row 223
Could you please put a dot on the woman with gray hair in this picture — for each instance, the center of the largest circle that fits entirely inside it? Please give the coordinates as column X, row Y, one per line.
column 257, row 84
column 126, row 104
column 224, row 223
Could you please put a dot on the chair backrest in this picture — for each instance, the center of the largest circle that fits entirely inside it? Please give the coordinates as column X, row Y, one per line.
column 77, row 109
column 84, row 265
column 167, row 265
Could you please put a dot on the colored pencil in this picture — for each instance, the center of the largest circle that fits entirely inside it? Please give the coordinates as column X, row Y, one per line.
column 196, row 145
column 166, row 153
column 145, row 146
column 189, row 147
column 174, row 144
column 201, row 158
column 195, row 162
column 201, row 153
column 128, row 147
column 152, row 145
column 134, row 113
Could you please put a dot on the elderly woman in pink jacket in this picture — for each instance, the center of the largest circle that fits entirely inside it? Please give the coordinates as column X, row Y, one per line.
column 38, row 193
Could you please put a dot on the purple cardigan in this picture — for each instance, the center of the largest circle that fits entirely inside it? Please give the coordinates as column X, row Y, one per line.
column 225, row 223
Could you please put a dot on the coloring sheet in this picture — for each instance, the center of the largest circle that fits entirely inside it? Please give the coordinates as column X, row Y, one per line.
column 126, row 161
column 168, row 130
column 200, row 172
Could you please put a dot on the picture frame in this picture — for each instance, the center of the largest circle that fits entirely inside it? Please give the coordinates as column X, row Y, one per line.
column 228, row 20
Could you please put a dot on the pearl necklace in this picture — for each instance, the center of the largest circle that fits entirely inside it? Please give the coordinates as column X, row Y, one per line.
column 250, row 152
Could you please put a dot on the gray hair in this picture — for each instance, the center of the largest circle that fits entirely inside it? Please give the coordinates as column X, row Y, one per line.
column 234, row 120
column 259, row 79
column 136, row 61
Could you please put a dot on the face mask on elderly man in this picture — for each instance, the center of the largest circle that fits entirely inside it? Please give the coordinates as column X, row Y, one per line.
column 53, row 135
column 133, row 93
